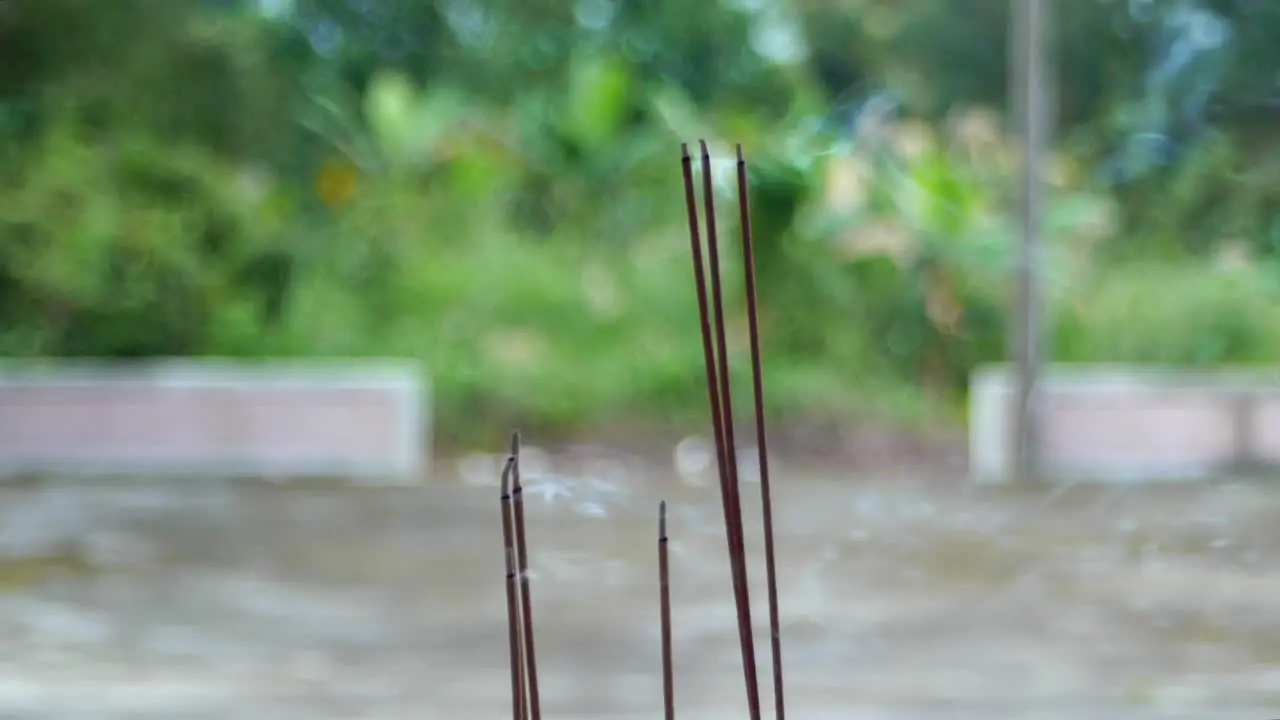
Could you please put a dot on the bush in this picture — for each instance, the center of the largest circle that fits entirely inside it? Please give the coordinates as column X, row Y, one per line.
column 885, row 271
column 123, row 248
column 1183, row 313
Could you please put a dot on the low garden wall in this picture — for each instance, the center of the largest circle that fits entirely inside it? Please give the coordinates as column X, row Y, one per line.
column 358, row 420
column 1132, row 423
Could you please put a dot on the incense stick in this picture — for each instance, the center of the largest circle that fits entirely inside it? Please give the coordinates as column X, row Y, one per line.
column 513, row 614
column 716, row 385
column 729, row 437
column 522, row 564
column 713, row 386
column 664, row 600
column 526, row 702
column 762, row 444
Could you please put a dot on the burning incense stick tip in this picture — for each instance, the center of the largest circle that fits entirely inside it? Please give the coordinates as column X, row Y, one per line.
column 506, row 477
column 662, row 520
column 515, row 444
column 740, row 160
column 703, row 145
column 684, row 151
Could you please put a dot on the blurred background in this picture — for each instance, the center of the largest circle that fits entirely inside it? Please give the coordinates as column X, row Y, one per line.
column 493, row 188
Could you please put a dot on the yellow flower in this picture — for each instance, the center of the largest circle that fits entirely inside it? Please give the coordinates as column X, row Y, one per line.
column 337, row 183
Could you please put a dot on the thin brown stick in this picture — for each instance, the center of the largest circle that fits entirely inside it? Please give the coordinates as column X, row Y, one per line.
column 713, row 387
column 513, row 613
column 713, row 394
column 762, row 443
column 729, row 437
column 664, row 599
column 717, row 413
column 522, row 565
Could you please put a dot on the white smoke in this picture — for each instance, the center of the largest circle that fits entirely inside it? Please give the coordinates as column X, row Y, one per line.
column 1191, row 46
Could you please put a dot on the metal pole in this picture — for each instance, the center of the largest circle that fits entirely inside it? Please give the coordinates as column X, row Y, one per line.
column 1031, row 88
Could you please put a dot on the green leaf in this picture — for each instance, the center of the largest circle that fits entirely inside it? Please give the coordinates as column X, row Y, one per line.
column 390, row 109
column 599, row 88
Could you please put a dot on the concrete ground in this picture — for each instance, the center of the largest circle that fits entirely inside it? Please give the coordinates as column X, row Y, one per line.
column 901, row 598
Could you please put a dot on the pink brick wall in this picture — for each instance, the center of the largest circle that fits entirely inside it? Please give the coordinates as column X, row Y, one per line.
column 1150, row 431
column 1132, row 423
column 257, row 420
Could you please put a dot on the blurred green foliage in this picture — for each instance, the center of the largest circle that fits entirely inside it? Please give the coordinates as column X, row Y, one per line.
column 493, row 187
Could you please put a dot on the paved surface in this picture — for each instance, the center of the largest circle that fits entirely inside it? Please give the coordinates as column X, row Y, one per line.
column 901, row 599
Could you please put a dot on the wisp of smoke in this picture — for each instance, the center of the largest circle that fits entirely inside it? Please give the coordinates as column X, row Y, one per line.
column 1191, row 45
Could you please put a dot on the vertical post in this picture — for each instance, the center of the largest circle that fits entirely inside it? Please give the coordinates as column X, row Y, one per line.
column 1030, row 89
